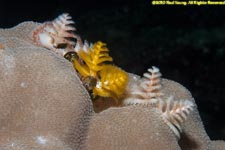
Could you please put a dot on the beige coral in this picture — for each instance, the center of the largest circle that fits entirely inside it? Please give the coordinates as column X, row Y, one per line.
column 43, row 105
column 36, row 100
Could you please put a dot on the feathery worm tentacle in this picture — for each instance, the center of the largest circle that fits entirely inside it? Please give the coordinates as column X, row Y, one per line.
column 55, row 33
column 148, row 90
column 174, row 113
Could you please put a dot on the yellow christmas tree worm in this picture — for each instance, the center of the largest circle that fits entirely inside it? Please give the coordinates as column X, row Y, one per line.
column 112, row 82
column 95, row 56
column 98, row 74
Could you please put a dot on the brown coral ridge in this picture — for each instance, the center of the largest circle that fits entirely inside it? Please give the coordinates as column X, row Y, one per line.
column 37, row 107
column 43, row 105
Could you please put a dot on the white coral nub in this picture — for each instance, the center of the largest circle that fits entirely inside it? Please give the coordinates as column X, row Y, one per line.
column 52, row 34
column 174, row 113
column 148, row 89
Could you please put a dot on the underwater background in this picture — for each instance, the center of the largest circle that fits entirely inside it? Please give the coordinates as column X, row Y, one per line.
column 187, row 43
